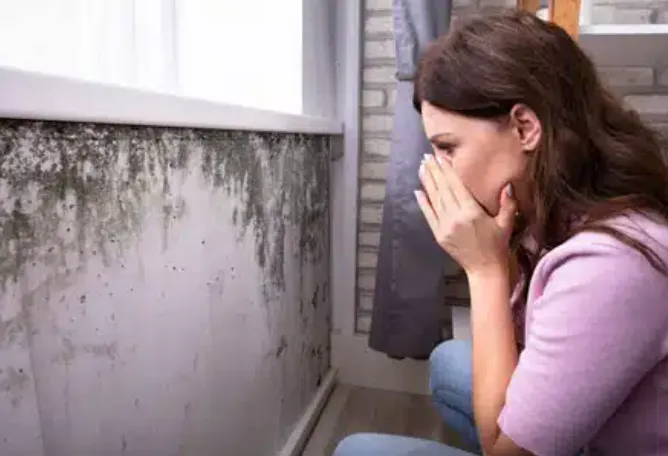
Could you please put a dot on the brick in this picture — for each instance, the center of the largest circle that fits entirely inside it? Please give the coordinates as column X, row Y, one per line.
column 491, row 3
column 369, row 238
column 627, row 76
column 663, row 77
column 365, row 302
column 372, row 191
column 378, row 5
column 367, row 281
column 374, row 170
column 373, row 98
column 383, row 49
column 604, row 14
column 391, row 97
column 363, row 324
column 367, row 260
column 371, row 214
column 376, row 147
column 649, row 104
column 456, row 4
column 377, row 123
column 374, row 25
column 379, row 75
column 633, row 16
column 615, row 14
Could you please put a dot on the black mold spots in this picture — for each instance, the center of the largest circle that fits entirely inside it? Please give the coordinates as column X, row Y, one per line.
column 84, row 188
column 79, row 188
column 13, row 331
column 314, row 298
column 69, row 351
column 14, row 382
column 102, row 350
column 282, row 346
column 282, row 181
column 71, row 191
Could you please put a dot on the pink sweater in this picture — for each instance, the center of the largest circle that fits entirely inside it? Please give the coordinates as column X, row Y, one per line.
column 594, row 371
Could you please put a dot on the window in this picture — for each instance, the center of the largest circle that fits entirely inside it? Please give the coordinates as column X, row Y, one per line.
column 86, row 39
column 239, row 52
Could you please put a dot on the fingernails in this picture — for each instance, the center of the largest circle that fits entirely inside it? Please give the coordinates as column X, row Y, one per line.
column 427, row 157
column 509, row 190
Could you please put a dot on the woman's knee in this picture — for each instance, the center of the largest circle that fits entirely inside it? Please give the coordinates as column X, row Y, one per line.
column 362, row 444
column 366, row 444
column 450, row 367
column 350, row 446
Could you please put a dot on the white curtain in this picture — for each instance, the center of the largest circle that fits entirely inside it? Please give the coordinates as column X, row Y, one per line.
column 240, row 52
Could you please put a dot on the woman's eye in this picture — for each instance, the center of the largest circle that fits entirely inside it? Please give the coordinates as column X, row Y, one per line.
column 447, row 149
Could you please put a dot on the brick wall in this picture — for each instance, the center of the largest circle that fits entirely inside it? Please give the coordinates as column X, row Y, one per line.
column 644, row 88
column 630, row 11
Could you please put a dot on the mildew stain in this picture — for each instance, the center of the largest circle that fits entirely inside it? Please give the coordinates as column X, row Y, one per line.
column 15, row 383
column 283, row 181
column 282, row 346
column 70, row 192
column 77, row 189
column 98, row 177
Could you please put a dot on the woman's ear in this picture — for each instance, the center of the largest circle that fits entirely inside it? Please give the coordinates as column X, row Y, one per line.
column 527, row 126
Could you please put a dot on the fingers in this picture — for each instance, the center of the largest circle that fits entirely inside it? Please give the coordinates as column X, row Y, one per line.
column 437, row 186
column 431, row 190
column 427, row 210
column 506, row 217
column 459, row 191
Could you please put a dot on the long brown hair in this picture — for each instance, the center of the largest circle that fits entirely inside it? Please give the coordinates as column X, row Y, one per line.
column 596, row 158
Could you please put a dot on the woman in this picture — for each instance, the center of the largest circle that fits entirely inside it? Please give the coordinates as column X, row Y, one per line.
column 529, row 146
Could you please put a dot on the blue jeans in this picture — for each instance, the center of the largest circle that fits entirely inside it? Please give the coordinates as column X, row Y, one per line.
column 393, row 445
column 451, row 378
column 451, row 384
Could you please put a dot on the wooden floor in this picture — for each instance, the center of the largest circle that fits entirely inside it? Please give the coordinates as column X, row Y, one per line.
column 353, row 409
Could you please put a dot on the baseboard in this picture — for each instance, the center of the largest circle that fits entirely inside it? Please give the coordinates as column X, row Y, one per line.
column 359, row 365
column 297, row 440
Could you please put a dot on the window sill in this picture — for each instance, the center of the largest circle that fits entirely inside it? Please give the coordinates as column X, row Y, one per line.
column 29, row 95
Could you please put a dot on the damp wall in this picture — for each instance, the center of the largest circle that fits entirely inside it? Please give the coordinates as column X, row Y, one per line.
column 163, row 291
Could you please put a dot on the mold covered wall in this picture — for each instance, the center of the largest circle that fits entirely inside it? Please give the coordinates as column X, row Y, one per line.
column 163, row 291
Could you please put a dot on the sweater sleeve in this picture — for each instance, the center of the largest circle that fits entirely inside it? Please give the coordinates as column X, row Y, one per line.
column 596, row 329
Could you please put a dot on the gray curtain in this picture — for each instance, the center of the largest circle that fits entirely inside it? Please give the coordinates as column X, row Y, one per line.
column 409, row 301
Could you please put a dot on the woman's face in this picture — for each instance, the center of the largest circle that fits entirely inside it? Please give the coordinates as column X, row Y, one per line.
column 486, row 154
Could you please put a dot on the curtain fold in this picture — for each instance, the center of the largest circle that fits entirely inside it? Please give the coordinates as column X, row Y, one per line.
column 410, row 294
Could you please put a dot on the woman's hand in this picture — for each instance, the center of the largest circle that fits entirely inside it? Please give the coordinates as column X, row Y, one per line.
column 478, row 242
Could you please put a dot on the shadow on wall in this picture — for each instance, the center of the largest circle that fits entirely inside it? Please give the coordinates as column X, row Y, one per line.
column 164, row 291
